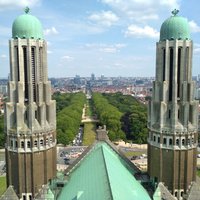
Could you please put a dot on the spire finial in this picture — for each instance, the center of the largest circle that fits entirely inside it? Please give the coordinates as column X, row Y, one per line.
column 27, row 10
column 175, row 12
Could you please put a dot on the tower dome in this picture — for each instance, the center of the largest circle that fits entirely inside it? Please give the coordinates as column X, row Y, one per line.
column 27, row 26
column 175, row 28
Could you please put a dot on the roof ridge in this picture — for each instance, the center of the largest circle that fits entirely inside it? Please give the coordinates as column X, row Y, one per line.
column 108, row 178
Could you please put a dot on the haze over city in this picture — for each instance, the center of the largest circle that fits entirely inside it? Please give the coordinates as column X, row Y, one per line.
column 110, row 37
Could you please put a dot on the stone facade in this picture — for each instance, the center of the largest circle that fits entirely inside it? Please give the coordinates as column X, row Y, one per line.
column 30, row 116
column 173, row 118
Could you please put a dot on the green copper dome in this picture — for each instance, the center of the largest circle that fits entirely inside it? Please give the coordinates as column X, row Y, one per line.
column 175, row 28
column 27, row 26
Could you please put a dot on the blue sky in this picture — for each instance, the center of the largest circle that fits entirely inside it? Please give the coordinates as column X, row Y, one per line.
column 110, row 37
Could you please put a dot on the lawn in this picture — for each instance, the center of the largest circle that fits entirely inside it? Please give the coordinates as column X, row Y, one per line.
column 130, row 154
column 198, row 172
column 2, row 185
column 89, row 111
column 89, row 133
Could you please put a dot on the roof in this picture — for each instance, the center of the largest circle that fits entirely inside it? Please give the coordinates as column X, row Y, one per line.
column 45, row 193
column 9, row 194
column 194, row 191
column 27, row 26
column 175, row 27
column 162, row 193
column 102, row 174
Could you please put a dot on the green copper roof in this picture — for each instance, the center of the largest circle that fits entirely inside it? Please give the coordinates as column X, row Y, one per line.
column 102, row 175
column 27, row 26
column 175, row 28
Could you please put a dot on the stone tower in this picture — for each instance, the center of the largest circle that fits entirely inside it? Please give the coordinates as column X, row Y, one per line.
column 173, row 111
column 30, row 114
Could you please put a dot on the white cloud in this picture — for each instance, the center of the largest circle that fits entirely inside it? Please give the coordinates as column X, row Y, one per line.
column 137, row 31
column 142, row 10
column 3, row 56
column 10, row 4
column 196, row 48
column 50, row 31
column 106, row 48
column 194, row 27
column 49, row 52
column 105, row 18
column 67, row 58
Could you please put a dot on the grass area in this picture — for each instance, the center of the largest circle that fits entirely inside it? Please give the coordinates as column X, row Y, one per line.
column 2, row 185
column 198, row 172
column 133, row 153
column 89, row 133
column 89, row 111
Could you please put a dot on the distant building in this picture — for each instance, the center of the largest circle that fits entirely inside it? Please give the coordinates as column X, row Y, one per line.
column 30, row 113
column 173, row 112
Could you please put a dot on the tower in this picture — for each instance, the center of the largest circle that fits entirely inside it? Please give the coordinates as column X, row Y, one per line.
column 173, row 111
column 30, row 114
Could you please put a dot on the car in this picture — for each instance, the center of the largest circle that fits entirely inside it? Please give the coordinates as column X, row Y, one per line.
column 134, row 157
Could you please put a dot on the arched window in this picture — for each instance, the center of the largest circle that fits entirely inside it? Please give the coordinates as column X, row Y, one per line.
column 41, row 142
column 28, row 144
column 154, row 138
column 22, row 144
column 170, row 141
column 183, row 141
column 164, row 141
column 35, row 143
column 177, row 141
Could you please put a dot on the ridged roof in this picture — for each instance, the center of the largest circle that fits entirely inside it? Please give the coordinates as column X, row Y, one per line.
column 27, row 26
column 102, row 175
column 175, row 28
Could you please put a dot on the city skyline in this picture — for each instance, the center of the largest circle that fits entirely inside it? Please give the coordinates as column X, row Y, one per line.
column 110, row 37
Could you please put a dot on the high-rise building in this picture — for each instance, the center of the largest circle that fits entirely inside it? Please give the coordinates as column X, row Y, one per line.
column 30, row 113
column 173, row 110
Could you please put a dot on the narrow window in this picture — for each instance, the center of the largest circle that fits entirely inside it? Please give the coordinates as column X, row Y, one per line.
column 154, row 138
column 29, row 144
column 16, row 144
column 33, row 73
column 170, row 141
column 186, row 63
column 169, row 114
column 164, row 64
column 182, row 193
column 164, row 141
column 41, row 142
column 22, row 144
column 11, row 143
column 171, row 73
column 17, row 62
column 178, row 72
column 25, row 75
column 35, row 143
column 183, row 141
column 178, row 114
column 177, row 142
column 176, row 194
column 158, row 139
column 40, row 63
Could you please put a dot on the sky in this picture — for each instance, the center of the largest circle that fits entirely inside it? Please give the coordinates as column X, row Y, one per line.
column 105, row 37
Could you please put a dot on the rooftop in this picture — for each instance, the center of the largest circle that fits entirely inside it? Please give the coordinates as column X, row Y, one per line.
column 102, row 174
